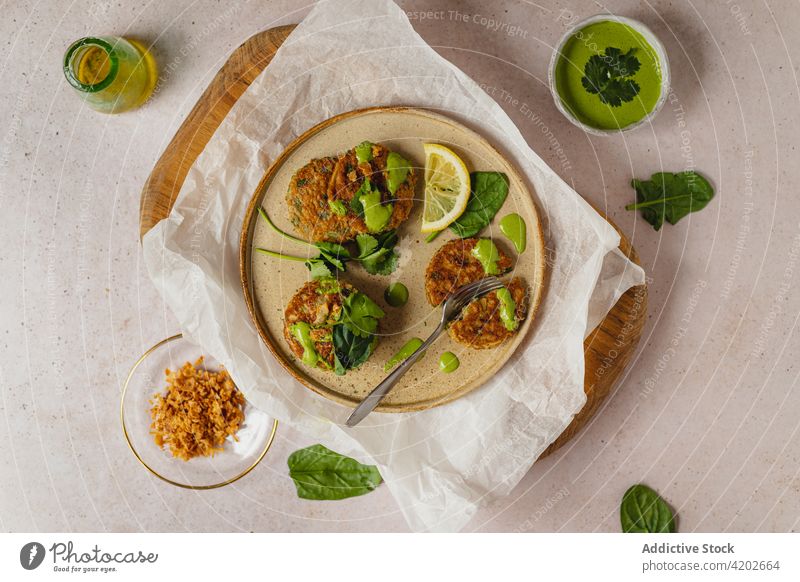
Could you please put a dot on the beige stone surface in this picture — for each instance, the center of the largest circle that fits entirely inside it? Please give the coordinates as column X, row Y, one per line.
column 707, row 414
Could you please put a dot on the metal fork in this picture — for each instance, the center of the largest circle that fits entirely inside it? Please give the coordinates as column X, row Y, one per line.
column 451, row 309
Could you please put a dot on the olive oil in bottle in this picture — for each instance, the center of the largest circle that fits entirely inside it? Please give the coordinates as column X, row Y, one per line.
column 111, row 74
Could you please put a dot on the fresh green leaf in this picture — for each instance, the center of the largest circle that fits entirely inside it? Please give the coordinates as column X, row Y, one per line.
column 644, row 511
column 376, row 253
column 334, row 253
column 609, row 76
column 350, row 350
column 319, row 268
column 366, row 244
column 670, row 196
column 489, row 192
column 619, row 91
column 361, row 314
column 383, row 265
column 321, row 474
column 621, row 65
column 595, row 74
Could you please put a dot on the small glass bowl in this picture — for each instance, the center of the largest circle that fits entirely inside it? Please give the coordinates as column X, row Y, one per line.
column 237, row 458
column 648, row 35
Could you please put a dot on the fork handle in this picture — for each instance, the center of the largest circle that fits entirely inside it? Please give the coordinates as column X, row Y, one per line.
column 374, row 398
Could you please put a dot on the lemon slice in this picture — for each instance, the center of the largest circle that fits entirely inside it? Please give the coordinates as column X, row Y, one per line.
column 446, row 187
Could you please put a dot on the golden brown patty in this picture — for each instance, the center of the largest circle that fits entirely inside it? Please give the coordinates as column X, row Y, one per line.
column 453, row 266
column 319, row 304
column 480, row 326
column 326, row 180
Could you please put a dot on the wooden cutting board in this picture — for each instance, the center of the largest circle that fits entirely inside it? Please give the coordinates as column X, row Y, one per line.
column 608, row 349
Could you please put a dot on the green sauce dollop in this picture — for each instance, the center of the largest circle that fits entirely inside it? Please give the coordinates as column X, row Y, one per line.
column 396, row 295
column 448, row 362
column 403, row 353
column 397, row 168
column 508, row 308
column 364, row 152
column 513, row 226
column 376, row 215
column 486, row 252
column 302, row 333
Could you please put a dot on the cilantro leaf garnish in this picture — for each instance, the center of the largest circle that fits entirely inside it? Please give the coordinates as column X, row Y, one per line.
column 377, row 254
column 609, row 76
column 319, row 268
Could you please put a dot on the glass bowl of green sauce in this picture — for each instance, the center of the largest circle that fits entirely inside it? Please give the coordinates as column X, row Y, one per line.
column 609, row 74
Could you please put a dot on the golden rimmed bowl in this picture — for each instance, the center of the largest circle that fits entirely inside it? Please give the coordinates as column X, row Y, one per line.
column 147, row 378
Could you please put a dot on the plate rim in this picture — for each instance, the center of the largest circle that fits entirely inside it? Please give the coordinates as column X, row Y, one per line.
column 245, row 260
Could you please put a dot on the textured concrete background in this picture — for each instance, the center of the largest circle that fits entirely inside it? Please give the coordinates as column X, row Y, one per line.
column 707, row 413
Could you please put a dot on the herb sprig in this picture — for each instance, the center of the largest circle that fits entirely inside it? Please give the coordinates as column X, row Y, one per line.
column 375, row 253
column 609, row 76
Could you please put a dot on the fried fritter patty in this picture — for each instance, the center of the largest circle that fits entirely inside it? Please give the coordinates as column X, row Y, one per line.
column 319, row 304
column 321, row 193
column 453, row 266
column 480, row 326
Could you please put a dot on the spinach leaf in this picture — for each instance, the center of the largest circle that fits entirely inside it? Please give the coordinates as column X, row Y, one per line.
column 321, row 474
column 361, row 314
column 670, row 196
column 644, row 511
column 377, row 254
column 350, row 350
column 489, row 192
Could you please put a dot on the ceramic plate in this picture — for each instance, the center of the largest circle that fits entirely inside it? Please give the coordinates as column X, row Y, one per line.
column 269, row 283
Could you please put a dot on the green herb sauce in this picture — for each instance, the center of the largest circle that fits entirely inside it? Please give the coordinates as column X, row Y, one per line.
column 364, row 152
column 448, row 362
column 513, row 227
column 508, row 308
column 397, row 168
column 486, row 252
column 593, row 40
column 403, row 353
column 376, row 215
column 302, row 333
column 396, row 295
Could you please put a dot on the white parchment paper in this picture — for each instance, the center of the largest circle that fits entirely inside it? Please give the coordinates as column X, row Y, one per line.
column 440, row 464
